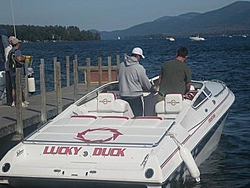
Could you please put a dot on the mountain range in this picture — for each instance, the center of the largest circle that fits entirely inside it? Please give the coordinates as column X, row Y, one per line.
column 231, row 19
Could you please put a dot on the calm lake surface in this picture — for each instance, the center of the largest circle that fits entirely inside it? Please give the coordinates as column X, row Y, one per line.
column 222, row 58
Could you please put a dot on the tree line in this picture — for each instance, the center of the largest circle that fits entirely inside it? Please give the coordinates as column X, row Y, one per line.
column 50, row 33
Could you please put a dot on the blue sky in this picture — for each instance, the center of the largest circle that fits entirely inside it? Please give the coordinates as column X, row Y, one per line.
column 103, row 15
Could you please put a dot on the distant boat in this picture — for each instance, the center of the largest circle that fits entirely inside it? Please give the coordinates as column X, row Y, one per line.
column 170, row 38
column 244, row 36
column 119, row 38
column 197, row 38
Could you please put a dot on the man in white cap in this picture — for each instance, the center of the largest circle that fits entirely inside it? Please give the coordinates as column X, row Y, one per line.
column 133, row 80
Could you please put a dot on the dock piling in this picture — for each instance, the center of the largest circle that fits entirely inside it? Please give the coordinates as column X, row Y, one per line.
column 58, row 88
column 19, row 111
column 75, row 80
column 67, row 71
column 43, row 93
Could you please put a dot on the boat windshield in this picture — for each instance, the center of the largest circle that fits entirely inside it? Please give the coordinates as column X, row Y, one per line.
column 111, row 87
column 204, row 95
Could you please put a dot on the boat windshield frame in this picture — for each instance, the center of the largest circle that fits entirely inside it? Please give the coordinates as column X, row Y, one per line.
column 203, row 96
column 109, row 87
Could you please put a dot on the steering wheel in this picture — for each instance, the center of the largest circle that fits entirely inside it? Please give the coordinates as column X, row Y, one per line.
column 190, row 95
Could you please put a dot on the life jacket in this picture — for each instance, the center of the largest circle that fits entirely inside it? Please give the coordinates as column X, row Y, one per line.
column 13, row 63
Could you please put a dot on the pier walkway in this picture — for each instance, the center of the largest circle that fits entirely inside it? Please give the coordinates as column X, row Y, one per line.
column 32, row 113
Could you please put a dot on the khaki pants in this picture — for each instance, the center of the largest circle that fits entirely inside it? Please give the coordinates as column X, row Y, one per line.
column 159, row 98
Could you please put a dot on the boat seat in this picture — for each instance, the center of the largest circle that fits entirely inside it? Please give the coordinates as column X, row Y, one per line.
column 108, row 104
column 170, row 107
column 113, row 121
column 81, row 120
column 192, row 88
column 148, row 121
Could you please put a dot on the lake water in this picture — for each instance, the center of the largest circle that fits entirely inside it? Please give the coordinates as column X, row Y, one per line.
column 222, row 58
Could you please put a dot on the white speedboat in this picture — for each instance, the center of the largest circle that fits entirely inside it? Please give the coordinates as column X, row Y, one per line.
column 97, row 140
column 197, row 38
column 171, row 39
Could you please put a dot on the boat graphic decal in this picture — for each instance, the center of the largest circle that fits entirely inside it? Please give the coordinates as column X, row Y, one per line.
column 117, row 152
column 19, row 152
column 83, row 135
column 211, row 118
column 173, row 102
column 105, row 101
column 73, row 150
column 61, row 150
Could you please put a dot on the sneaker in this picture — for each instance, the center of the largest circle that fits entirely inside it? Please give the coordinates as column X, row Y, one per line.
column 13, row 104
column 24, row 105
column 26, row 102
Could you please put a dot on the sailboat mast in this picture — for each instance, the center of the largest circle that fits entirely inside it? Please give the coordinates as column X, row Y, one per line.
column 13, row 18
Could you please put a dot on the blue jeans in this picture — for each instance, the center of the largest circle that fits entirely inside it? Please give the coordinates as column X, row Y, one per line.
column 136, row 104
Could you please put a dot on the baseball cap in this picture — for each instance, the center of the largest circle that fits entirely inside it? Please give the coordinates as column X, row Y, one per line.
column 11, row 38
column 15, row 41
column 138, row 51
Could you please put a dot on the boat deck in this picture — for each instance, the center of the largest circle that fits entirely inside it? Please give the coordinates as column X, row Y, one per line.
column 93, row 129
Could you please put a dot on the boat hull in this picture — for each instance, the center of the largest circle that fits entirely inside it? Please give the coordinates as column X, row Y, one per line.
column 203, row 150
column 197, row 38
column 65, row 183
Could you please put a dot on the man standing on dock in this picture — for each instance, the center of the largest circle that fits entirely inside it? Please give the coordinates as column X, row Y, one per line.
column 133, row 80
column 17, row 60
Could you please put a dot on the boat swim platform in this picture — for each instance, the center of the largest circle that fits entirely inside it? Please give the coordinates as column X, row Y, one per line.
column 32, row 113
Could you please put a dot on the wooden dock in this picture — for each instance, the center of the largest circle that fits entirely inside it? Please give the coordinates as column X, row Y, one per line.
column 32, row 113
column 14, row 120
